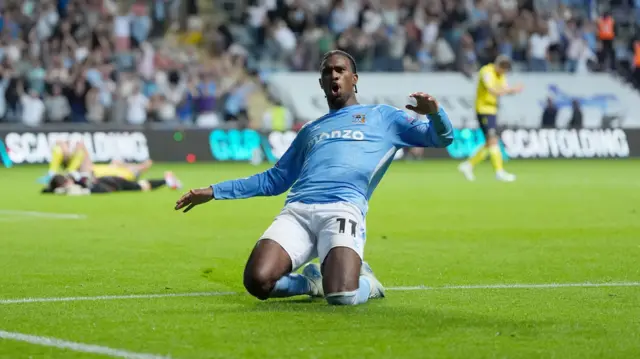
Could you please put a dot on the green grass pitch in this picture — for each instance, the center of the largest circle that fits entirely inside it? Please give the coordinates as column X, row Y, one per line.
column 565, row 222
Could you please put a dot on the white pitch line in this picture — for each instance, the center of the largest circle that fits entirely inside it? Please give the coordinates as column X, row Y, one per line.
column 113, row 297
column 10, row 212
column 78, row 347
column 520, row 286
column 399, row 289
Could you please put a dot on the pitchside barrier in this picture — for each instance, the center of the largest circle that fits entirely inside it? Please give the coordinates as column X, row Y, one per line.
column 30, row 146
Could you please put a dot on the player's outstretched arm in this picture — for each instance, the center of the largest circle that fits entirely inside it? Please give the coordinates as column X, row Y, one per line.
column 507, row 90
column 407, row 131
column 496, row 91
column 271, row 182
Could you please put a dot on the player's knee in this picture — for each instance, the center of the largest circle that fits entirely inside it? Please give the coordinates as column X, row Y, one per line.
column 258, row 283
column 62, row 148
column 342, row 298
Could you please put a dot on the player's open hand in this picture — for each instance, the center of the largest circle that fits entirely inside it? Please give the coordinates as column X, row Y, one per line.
column 194, row 197
column 424, row 105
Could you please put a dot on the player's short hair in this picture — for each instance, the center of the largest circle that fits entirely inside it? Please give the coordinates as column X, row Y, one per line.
column 352, row 61
column 503, row 61
column 56, row 181
column 328, row 54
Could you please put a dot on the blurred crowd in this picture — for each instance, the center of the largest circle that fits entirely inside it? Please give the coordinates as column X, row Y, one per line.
column 94, row 61
column 424, row 35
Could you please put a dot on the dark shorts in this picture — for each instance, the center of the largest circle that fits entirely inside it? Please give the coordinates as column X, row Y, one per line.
column 114, row 184
column 488, row 124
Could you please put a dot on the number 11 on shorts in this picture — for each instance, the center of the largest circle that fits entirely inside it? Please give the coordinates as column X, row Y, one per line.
column 343, row 224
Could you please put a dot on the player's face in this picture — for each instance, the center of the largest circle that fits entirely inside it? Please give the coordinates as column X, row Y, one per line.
column 338, row 80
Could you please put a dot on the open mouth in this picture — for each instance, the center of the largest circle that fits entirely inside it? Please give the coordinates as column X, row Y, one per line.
column 335, row 89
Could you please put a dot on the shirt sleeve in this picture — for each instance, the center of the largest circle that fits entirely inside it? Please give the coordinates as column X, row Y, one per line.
column 407, row 131
column 271, row 182
column 487, row 79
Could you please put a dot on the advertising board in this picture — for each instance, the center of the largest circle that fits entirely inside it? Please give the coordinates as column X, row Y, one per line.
column 29, row 146
column 34, row 146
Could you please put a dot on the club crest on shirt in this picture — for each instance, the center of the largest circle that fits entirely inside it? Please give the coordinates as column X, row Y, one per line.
column 359, row 118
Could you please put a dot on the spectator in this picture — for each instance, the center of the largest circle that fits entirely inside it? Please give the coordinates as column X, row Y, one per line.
column 635, row 50
column 576, row 115
column 443, row 55
column 549, row 114
column 237, row 102
column 606, row 36
column 37, row 76
column 95, row 109
column 204, row 98
column 77, row 97
column 57, row 105
column 467, row 59
column 4, row 84
column 33, row 107
column 277, row 118
column 344, row 14
column 539, row 44
column 283, row 39
column 165, row 110
column 46, row 22
column 140, row 24
column 12, row 95
column 173, row 88
column 137, row 106
column 58, row 72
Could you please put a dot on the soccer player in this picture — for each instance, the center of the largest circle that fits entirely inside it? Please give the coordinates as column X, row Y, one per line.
column 68, row 185
column 492, row 84
column 334, row 165
column 77, row 162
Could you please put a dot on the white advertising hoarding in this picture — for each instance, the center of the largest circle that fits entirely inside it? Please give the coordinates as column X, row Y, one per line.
column 603, row 98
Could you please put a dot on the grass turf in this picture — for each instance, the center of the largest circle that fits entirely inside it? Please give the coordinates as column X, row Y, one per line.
column 561, row 222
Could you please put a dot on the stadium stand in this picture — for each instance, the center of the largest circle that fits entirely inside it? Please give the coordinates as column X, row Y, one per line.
column 205, row 63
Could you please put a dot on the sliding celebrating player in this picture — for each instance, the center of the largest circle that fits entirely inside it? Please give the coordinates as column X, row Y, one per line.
column 492, row 84
column 334, row 165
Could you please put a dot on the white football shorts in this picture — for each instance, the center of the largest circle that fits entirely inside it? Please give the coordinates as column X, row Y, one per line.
column 308, row 231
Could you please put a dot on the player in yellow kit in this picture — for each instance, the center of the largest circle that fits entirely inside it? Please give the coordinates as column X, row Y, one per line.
column 492, row 84
column 77, row 162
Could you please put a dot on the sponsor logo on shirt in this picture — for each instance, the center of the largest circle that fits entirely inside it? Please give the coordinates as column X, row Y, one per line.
column 342, row 134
